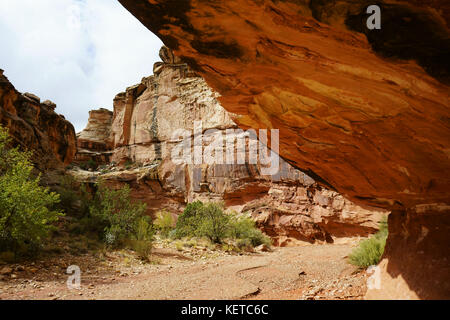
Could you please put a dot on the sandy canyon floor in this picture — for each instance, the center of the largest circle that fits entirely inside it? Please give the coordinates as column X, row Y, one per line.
column 301, row 272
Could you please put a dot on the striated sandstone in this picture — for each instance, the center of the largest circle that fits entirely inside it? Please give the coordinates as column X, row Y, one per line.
column 365, row 112
column 35, row 126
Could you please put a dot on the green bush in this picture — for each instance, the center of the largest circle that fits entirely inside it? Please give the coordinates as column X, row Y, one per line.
column 188, row 222
column 142, row 239
column 244, row 244
column 128, row 164
column 113, row 214
column 90, row 164
column 164, row 222
column 245, row 228
column 369, row 251
column 75, row 199
column 26, row 208
column 203, row 220
column 209, row 220
column 215, row 223
column 109, row 214
column 172, row 234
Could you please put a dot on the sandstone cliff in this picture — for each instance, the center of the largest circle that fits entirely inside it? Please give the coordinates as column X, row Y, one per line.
column 37, row 127
column 365, row 112
column 94, row 143
column 288, row 205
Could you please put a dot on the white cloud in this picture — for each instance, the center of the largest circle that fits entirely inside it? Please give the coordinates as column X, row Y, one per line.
column 77, row 53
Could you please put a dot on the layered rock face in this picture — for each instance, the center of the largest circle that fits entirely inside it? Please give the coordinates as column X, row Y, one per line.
column 147, row 115
column 156, row 127
column 93, row 143
column 363, row 111
column 35, row 126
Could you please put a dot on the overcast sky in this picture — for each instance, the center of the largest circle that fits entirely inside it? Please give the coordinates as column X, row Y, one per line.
column 77, row 53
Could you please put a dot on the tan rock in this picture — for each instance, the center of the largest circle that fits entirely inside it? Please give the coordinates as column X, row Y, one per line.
column 94, row 142
column 6, row 271
column 51, row 105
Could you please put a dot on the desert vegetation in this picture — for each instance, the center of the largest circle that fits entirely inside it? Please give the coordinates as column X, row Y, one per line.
column 31, row 214
column 108, row 216
column 94, row 214
column 27, row 210
column 210, row 221
column 370, row 251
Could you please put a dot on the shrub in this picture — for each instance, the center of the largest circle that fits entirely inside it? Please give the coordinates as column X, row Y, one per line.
column 90, row 164
column 245, row 228
column 209, row 220
column 26, row 214
column 114, row 214
column 74, row 197
column 369, row 251
column 164, row 222
column 142, row 239
column 128, row 164
column 215, row 223
column 179, row 246
column 188, row 222
column 172, row 234
column 244, row 244
column 203, row 220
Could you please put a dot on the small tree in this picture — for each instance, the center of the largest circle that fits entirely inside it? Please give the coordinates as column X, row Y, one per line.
column 210, row 220
column 215, row 223
column 142, row 239
column 164, row 222
column 244, row 228
column 26, row 214
column 114, row 214
column 188, row 222
column 203, row 220
column 74, row 196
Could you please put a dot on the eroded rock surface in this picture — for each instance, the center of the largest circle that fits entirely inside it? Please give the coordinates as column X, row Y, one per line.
column 366, row 111
column 37, row 127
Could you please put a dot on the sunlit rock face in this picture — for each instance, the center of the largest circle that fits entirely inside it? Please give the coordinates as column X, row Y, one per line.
column 147, row 115
column 364, row 112
column 35, row 126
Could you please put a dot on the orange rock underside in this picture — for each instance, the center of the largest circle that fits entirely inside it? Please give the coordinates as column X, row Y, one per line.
column 376, row 130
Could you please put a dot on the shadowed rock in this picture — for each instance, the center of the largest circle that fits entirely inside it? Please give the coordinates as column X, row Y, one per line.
column 36, row 127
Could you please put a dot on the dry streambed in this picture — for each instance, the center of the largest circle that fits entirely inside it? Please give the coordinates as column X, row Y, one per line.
column 303, row 272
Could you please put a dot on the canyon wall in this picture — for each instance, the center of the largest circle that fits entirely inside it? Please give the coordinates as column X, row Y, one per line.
column 365, row 112
column 94, row 143
column 158, row 119
column 35, row 126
